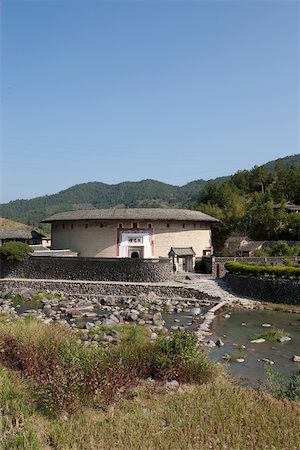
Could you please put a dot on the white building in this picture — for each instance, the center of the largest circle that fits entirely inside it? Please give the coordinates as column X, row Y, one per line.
column 132, row 232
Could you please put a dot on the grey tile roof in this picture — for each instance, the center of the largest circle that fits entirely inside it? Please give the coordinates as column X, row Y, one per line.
column 182, row 251
column 253, row 245
column 132, row 214
column 20, row 234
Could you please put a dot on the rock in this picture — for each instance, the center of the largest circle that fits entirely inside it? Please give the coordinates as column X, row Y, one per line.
column 174, row 327
column 266, row 325
column 268, row 361
column 226, row 316
column 89, row 325
column 226, row 356
column 240, row 360
column 107, row 338
column 153, row 336
column 296, row 358
column 284, row 339
column 157, row 318
column 243, row 324
column 257, row 341
column 220, row 343
column 172, row 385
column 195, row 311
column 210, row 344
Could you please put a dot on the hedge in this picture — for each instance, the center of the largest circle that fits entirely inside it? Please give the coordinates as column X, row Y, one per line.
column 277, row 271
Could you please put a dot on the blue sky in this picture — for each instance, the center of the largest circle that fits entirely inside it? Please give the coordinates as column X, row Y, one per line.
column 169, row 90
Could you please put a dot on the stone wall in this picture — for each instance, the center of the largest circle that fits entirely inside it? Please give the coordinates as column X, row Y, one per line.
column 93, row 289
column 217, row 262
column 91, row 269
column 267, row 289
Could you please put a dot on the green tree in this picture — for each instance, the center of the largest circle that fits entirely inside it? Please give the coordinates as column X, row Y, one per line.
column 15, row 251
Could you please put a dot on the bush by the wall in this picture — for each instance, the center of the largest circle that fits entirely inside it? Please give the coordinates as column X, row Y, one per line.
column 15, row 251
column 277, row 271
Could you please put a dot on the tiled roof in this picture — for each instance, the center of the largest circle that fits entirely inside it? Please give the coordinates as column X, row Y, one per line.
column 182, row 251
column 253, row 245
column 20, row 234
column 132, row 214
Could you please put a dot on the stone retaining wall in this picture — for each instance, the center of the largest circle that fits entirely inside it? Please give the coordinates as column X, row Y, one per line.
column 267, row 289
column 95, row 289
column 91, row 269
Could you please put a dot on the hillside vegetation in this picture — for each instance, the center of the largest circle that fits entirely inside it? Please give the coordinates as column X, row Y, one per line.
column 145, row 193
column 244, row 203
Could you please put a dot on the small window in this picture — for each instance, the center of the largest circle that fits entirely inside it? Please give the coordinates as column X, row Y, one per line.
column 168, row 225
column 120, row 225
column 63, row 225
column 72, row 226
column 101, row 225
column 86, row 225
column 134, row 225
column 183, row 225
column 194, row 225
column 149, row 225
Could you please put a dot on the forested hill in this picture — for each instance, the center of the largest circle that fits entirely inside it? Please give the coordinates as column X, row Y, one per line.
column 145, row 193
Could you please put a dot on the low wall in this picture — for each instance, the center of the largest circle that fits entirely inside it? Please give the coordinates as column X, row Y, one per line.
column 267, row 289
column 94, row 289
column 218, row 270
column 90, row 269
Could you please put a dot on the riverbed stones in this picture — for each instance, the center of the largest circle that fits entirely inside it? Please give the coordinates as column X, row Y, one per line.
column 296, row 358
column 258, row 341
column 266, row 325
column 268, row 361
column 219, row 343
column 284, row 339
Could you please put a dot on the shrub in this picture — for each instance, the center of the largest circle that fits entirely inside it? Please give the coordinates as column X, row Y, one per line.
column 282, row 387
column 287, row 262
column 247, row 269
column 15, row 251
column 65, row 373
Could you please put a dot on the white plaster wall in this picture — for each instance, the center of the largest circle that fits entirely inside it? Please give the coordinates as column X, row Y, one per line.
column 102, row 242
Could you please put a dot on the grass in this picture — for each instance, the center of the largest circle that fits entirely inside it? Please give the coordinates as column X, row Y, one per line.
column 271, row 335
column 66, row 374
column 281, row 307
column 16, row 424
column 233, row 357
column 56, row 393
column 211, row 416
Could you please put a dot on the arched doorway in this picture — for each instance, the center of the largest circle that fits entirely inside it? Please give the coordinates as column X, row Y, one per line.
column 135, row 255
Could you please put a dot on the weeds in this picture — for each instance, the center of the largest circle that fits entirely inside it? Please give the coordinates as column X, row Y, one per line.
column 65, row 373
column 271, row 335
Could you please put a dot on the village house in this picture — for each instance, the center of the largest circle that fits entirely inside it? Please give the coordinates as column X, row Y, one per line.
column 134, row 233
column 27, row 237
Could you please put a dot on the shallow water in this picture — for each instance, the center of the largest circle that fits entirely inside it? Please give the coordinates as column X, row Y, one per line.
column 234, row 334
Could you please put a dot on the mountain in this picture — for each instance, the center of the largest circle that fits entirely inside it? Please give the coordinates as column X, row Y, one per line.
column 145, row 193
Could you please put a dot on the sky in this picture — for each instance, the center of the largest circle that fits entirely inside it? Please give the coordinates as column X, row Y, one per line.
column 116, row 91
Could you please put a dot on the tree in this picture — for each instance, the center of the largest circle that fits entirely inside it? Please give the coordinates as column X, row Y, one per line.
column 14, row 251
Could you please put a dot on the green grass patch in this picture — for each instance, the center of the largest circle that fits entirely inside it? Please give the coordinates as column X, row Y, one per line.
column 271, row 335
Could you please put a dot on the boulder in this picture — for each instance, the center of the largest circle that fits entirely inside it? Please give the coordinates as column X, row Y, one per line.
column 284, row 339
column 219, row 343
column 296, row 358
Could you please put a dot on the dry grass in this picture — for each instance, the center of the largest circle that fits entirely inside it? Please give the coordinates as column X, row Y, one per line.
column 209, row 417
